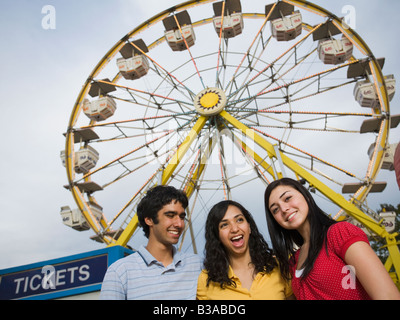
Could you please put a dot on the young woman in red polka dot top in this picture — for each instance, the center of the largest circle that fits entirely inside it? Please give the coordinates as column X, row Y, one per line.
column 334, row 260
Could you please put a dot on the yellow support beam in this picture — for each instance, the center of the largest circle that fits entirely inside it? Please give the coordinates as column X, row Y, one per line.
column 289, row 163
column 394, row 255
column 336, row 198
column 267, row 167
column 167, row 173
column 128, row 232
column 183, row 148
column 376, row 73
column 192, row 181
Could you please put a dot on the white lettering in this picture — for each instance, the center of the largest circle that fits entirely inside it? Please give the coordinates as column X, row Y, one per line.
column 349, row 281
column 72, row 273
column 49, row 274
column 170, row 310
column 49, row 20
column 50, row 278
column 60, row 276
column 349, row 19
column 84, row 275
column 31, row 286
column 26, row 284
column 18, row 281
column 221, row 309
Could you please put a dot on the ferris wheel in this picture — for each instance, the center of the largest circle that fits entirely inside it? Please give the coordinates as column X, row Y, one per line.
column 219, row 98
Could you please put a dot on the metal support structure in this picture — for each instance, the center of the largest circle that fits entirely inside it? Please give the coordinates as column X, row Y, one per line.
column 350, row 208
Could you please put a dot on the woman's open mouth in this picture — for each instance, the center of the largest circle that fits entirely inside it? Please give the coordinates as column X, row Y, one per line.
column 237, row 241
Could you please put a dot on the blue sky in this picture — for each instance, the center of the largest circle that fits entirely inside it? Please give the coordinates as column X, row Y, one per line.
column 42, row 73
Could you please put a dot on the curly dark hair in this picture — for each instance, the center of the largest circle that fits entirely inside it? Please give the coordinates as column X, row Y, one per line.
column 154, row 200
column 216, row 261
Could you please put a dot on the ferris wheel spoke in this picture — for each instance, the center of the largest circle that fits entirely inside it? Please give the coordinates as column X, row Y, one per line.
column 292, row 165
column 131, row 222
column 311, row 156
column 150, row 97
column 234, row 87
column 162, row 68
column 319, row 90
column 220, row 43
column 244, row 113
column 183, row 148
column 286, row 120
column 168, row 81
column 270, row 65
column 188, row 49
column 125, row 128
column 125, row 155
column 156, row 175
column 291, row 83
column 247, row 54
column 172, row 164
column 162, row 138
column 126, row 173
column 223, row 167
column 252, row 158
column 193, row 179
column 278, row 96
column 313, row 76
column 252, row 43
column 277, row 76
column 191, row 173
column 122, row 124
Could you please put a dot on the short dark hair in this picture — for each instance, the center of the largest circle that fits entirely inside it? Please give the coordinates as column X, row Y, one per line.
column 154, row 200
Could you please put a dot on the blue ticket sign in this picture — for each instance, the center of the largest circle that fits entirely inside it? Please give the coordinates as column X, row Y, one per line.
column 56, row 278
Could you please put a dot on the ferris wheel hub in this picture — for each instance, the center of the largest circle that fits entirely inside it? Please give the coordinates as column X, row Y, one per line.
column 210, row 101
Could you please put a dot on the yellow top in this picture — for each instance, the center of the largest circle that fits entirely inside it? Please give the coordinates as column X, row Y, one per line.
column 265, row 287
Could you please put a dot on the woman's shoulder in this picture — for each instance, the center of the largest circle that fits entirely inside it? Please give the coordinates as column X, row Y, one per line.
column 203, row 276
column 343, row 234
column 344, row 228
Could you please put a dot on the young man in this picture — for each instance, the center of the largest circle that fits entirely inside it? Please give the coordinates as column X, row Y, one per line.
column 156, row 271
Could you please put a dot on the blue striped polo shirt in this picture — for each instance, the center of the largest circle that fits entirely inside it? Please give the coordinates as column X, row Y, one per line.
column 140, row 276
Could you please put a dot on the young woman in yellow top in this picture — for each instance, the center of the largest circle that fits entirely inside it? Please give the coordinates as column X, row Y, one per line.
column 238, row 263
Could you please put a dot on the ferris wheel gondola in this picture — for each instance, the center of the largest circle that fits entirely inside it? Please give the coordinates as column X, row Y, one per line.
column 219, row 100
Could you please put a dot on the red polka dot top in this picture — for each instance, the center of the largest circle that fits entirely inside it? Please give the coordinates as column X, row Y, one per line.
column 331, row 278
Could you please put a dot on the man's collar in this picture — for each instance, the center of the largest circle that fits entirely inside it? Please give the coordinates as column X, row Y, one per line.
column 148, row 257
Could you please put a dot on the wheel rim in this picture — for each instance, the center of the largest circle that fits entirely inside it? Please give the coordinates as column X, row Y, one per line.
column 272, row 92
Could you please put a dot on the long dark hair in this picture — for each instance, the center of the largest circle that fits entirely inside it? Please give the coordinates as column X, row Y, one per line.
column 216, row 260
column 286, row 242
